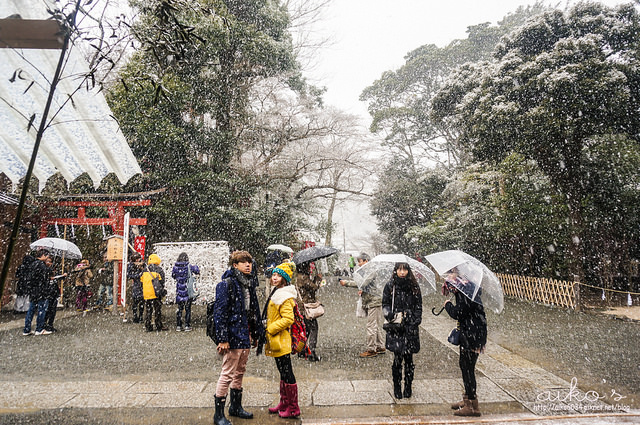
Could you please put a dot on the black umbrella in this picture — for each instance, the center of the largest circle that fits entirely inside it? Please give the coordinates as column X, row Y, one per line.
column 313, row 253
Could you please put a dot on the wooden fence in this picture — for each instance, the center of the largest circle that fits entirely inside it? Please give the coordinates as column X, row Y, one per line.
column 547, row 291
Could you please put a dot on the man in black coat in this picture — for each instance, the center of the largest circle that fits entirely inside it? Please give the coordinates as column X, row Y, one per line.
column 39, row 276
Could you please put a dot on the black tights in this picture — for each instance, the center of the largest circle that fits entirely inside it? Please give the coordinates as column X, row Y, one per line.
column 468, row 360
column 283, row 363
column 396, row 367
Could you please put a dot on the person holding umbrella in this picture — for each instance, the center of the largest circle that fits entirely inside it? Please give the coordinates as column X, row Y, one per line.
column 372, row 304
column 307, row 284
column 402, row 309
column 473, row 336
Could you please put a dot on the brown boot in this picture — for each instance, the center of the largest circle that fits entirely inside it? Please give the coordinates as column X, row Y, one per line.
column 468, row 409
column 460, row 404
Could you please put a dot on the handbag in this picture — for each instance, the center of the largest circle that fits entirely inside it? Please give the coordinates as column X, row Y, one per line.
column 395, row 325
column 192, row 290
column 454, row 336
column 313, row 310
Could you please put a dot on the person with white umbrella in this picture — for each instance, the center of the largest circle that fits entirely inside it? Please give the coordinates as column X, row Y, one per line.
column 402, row 309
column 371, row 301
column 472, row 324
column 39, row 276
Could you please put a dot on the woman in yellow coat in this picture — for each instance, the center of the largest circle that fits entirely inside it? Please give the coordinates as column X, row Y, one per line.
column 280, row 317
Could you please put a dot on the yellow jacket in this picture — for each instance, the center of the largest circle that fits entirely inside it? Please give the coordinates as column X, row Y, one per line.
column 279, row 319
column 148, row 292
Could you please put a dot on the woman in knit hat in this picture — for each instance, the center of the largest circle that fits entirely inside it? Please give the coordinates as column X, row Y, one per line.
column 280, row 317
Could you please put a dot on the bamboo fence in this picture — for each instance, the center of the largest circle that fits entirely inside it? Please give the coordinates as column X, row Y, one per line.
column 538, row 289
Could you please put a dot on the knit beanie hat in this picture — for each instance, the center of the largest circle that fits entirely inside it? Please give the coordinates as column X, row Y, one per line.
column 286, row 270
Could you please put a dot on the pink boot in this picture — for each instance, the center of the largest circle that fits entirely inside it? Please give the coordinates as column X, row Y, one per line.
column 292, row 410
column 283, row 400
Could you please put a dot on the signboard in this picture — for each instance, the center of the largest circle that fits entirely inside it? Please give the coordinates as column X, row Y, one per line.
column 114, row 248
column 139, row 244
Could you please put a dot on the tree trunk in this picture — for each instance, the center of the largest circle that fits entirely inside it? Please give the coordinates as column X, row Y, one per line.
column 332, row 207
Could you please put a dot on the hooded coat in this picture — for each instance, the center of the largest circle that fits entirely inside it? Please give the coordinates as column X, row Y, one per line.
column 407, row 338
column 280, row 317
column 473, row 322
column 153, row 270
column 180, row 273
column 234, row 323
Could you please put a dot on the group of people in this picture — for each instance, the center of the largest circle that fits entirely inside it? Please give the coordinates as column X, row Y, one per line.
column 40, row 287
column 147, row 283
column 239, row 327
column 400, row 308
column 240, row 324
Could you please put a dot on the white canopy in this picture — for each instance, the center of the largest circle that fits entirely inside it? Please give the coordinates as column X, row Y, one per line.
column 83, row 136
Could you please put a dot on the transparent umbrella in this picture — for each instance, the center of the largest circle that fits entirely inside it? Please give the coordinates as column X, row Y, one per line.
column 475, row 280
column 58, row 247
column 279, row 247
column 372, row 276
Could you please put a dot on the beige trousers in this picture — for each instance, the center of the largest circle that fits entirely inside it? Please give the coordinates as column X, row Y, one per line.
column 234, row 364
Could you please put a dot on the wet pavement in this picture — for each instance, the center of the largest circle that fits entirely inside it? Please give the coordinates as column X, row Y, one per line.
column 96, row 369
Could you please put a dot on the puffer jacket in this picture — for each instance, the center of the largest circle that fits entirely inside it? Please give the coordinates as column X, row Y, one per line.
column 180, row 273
column 280, row 317
column 407, row 338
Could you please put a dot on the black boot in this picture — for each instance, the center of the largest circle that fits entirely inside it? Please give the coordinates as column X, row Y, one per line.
column 235, row 405
column 218, row 416
column 396, row 374
column 408, row 379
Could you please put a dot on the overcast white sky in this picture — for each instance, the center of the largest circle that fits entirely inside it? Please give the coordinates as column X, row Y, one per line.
column 373, row 36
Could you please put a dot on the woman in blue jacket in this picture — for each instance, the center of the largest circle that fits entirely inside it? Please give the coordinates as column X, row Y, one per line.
column 181, row 273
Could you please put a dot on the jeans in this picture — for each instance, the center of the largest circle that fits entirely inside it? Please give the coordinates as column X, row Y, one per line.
column 108, row 289
column 50, row 316
column 138, row 309
column 42, row 306
column 186, row 305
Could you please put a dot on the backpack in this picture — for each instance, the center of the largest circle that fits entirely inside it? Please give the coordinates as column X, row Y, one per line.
column 298, row 332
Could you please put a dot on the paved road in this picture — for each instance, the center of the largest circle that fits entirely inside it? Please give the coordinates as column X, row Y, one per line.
column 72, row 377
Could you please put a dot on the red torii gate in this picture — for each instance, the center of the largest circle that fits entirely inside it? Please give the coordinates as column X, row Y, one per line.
column 115, row 210
column 116, row 214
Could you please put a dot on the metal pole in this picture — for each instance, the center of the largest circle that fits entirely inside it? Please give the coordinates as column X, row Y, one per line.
column 34, row 154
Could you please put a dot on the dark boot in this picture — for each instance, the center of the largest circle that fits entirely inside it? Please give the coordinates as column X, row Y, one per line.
column 460, row 404
column 396, row 374
column 235, row 405
column 218, row 417
column 283, row 400
column 470, row 408
column 408, row 380
column 292, row 410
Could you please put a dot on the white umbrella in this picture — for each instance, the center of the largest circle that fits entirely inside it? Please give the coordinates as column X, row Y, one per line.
column 372, row 276
column 279, row 247
column 481, row 284
column 58, row 247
